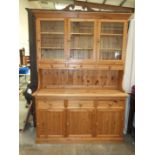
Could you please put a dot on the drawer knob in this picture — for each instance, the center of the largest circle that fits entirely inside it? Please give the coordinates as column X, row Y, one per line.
column 110, row 104
column 80, row 105
column 50, row 105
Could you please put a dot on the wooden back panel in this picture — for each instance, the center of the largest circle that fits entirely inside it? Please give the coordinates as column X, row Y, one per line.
column 106, row 79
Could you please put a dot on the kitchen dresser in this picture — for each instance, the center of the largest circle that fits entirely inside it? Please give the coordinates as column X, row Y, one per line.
column 78, row 64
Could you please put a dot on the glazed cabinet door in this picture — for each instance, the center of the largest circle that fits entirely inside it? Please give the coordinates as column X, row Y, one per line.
column 80, row 117
column 81, row 39
column 109, row 118
column 111, row 40
column 51, row 39
column 50, row 119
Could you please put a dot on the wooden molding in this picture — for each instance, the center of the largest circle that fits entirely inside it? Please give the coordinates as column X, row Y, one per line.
column 104, row 1
column 123, row 1
column 108, row 8
column 72, row 6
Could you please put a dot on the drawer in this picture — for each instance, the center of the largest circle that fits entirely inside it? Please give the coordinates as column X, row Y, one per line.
column 63, row 65
column 110, row 67
column 110, row 104
column 84, row 66
column 49, row 66
column 75, row 66
column 43, row 66
column 116, row 67
column 103, row 67
column 47, row 104
column 80, row 104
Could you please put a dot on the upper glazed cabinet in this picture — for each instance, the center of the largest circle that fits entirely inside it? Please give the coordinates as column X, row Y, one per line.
column 110, row 40
column 81, row 39
column 51, row 39
column 78, row 39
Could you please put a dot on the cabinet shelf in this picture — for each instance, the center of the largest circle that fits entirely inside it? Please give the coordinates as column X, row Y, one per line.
column 52, row 48
column 81, row 33
column 52, row 33
column 111, row 34
column 111, row 49
column 81, row 48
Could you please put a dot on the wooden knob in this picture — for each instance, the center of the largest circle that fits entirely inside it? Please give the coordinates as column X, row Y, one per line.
column 50, row 105
column 115, row 101
column 80, row 105
column 110, row 104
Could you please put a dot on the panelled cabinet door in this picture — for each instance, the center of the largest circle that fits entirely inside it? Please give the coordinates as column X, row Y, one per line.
column 109, row 123
column 81, row 39
column 55, row 123
column 109, row 119
column 110, row 40
column 51, row 35
column 41, row 123
column 80, row 119
column 50, row 118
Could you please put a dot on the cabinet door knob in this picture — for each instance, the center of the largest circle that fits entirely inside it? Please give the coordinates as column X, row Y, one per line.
column 110, row 104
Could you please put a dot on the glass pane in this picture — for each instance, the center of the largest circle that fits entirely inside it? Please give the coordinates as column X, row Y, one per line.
column 52, row 26
column 52, row 54
column 82, row 27
column 50, row 40
column 112, row 28
column 110, row 54
column 81, row 54
column 114, row 42
column 81, row 40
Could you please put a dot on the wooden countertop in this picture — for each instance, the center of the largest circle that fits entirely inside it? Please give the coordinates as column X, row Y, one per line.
column 79, row 93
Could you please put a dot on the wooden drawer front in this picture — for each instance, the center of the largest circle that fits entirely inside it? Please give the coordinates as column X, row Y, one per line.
column 58, row 65
column 85, row 66
column 43, row 66
column 104, row 67
column 75, row 65
column 80, row 104
column 42, row 105
column 117, row 67
column 48, row 104
column 110, row 104
column 50, row 66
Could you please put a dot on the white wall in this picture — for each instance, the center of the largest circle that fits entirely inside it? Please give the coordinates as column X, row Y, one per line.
column 23, row 23
column 129, row 74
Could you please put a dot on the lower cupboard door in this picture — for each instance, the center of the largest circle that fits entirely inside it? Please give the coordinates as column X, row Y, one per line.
column 41, row 122
column 109, row 123
column 55, row 125
column 80, row 123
